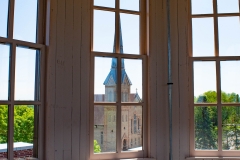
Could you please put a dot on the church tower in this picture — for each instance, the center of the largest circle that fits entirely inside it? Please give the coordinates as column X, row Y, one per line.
column 111, row 80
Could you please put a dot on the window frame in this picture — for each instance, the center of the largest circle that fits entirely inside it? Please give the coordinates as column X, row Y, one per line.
column 40, row 77
column 217, row 59
column 141, row 56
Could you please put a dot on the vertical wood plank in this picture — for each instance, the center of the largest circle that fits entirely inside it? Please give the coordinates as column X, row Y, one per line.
column 76, row 80
column 183, row 78
column 60, row 81
column 68, row 75
column 152, row 79
column 85, row 74
column 51, row 78
column 175, row 77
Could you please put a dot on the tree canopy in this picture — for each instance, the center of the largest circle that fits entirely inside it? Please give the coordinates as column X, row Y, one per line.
column 206, row 121
column 23, row 123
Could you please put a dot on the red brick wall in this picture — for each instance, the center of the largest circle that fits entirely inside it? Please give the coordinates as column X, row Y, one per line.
column 18, row 154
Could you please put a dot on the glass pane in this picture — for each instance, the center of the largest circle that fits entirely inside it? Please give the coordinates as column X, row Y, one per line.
column 105, row 129
column 131, row 128
column 105, row 3
column 230, row 84
column 202, row 6
column 24, row 126
column 131, row 88
column 231, row 128
column 228, row 6
column 3, row 17
column 203, row 37
column 4, row 71
column 130, row 33
column 25, row 74
column 205, row 82
column 105, row 81
column 229, row 33
column 104, row 29
column 25, row 20
column 3, row 131
column 206, row 128
column 129, row 4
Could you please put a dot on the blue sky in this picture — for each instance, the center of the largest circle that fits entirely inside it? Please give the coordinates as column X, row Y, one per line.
column 203, row 43
column 25, row 19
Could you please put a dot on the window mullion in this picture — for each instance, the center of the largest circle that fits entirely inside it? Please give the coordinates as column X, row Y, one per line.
column 219, row 107
column 11, row 107
column 118, row 133
column 216, row 28
column 142, row 39
column 11, row 18
column 117, row 27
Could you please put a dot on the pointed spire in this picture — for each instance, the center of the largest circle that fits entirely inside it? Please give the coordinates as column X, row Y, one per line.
column 113, row 71
column 114, row 60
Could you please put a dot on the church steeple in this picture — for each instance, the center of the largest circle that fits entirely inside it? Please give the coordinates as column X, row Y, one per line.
column 114, row 60
column 113, row 72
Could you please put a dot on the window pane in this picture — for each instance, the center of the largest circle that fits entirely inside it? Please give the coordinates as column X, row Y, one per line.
column 3, row 17
column 25, row 74
column 230, row 84
column 105, row 3
column 203, row 37
column 131, row 84
column 24, row 126
column 130, row 33
column 25, row 20
column 205, row 82
column 231, row 128
column 3, row 131
column 206, row 128
column 105, row 81
column 105, row 129
column 104, row 29
column 229, row 33
column 4, row 71
column 131, row 128
column 228, row 6
column 129, row 4
column 202, row 6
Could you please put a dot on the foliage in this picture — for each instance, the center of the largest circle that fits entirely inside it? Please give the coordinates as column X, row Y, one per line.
column 206, row 121
column 23, row 123
column 97, row 148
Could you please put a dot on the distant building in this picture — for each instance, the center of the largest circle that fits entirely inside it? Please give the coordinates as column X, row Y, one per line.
column 105, row 116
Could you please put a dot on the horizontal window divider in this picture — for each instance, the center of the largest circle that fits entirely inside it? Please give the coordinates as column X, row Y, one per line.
column 213, row 15
column 115, row 104
column 114, row 10
column 221, row 58
column 21, row 43
column 119, row 156
column 205, row 104
column 116, row 55
column 24, row 103
column 104, row 8
column 212, row 158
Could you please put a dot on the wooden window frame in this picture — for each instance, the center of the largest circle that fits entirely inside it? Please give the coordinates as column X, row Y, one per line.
column 39, row 100
column 217, row 59
column 142, row 56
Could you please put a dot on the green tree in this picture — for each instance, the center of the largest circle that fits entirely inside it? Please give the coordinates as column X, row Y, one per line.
column 3, row 123
column 23, row 123
column 97, row 148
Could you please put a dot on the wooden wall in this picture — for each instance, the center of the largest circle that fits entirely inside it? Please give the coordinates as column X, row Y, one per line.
column 68, row 76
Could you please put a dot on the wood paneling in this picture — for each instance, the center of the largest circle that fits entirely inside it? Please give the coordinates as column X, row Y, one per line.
column 68, row 80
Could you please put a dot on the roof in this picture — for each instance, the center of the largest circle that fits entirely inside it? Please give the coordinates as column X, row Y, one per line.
column 17, row 146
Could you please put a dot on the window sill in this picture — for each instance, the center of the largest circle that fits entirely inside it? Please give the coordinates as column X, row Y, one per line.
column 213, row 158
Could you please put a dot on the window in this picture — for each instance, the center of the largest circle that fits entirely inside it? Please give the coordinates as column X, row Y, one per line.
column 118, row 59
column 215, row 62
column 21, row 82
